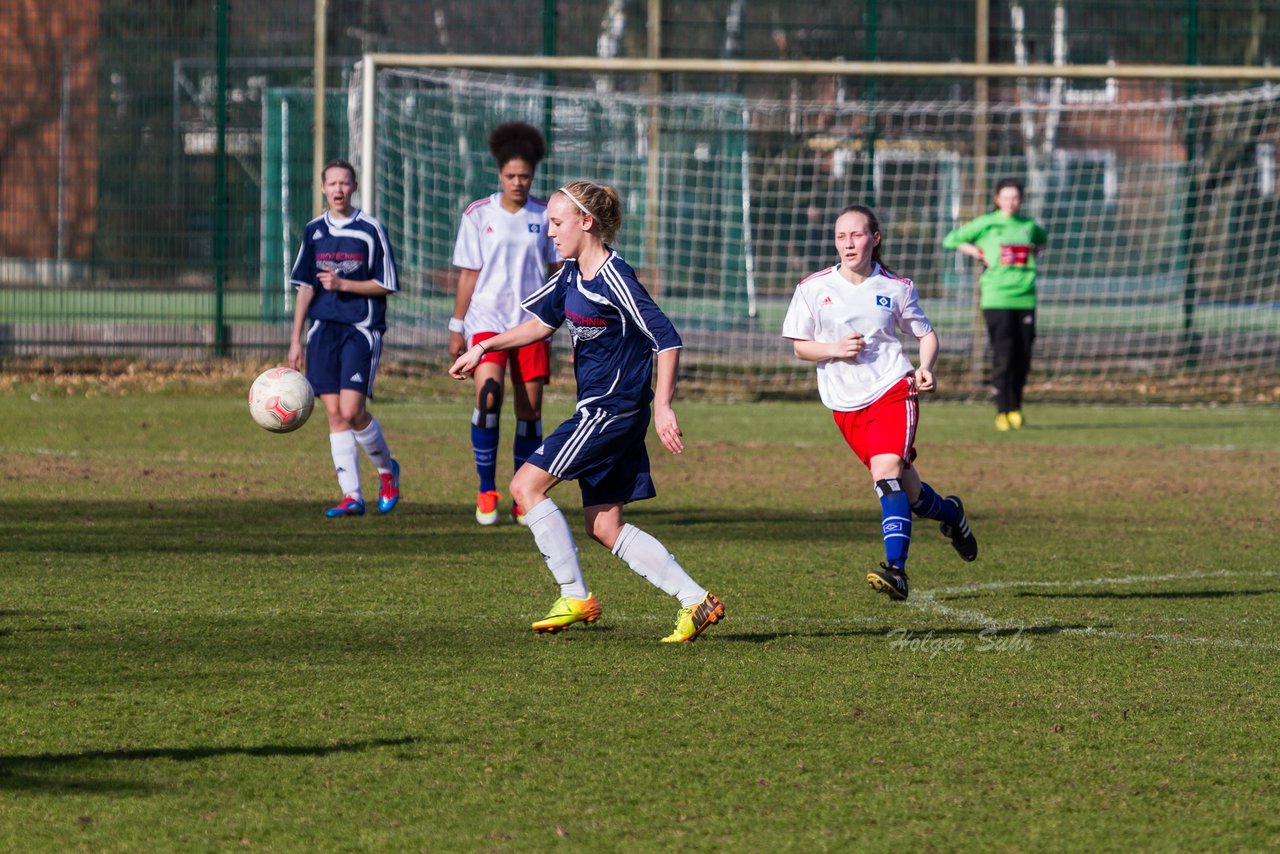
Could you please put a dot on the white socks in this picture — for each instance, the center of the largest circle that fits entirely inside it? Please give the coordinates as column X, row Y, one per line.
column 371, row 439
column 551, row 532
column 645, row 555
column 652, row 562
column 346, row 461
column 345, row 447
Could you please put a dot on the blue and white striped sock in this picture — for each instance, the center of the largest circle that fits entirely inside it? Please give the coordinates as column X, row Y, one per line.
column 528, row 439
column 895, row 521
column 484, row 443
column 931, row 505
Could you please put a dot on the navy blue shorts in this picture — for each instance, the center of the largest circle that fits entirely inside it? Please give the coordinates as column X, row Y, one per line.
column 604, row 453
column 342, row 356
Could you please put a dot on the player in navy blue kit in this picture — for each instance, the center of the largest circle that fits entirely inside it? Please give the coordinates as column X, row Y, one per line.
column 342, row 274
column 616, row 328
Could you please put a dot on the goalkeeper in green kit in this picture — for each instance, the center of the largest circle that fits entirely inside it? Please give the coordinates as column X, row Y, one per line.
column 1006, row 243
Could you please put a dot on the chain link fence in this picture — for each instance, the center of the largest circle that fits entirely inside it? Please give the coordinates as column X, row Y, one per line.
column 124, row 233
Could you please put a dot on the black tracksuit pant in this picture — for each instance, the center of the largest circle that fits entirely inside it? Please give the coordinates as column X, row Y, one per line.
column 1011, row 332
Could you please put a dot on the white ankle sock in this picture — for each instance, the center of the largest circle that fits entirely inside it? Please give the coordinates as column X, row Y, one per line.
column 375, row 445
column 551, row 532
column 346, row 461
column 651, row 561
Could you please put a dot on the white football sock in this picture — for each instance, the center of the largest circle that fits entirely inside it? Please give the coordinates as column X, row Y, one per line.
column 371, row 439
column 652, row 562
column 346, row 461
column 551, row 532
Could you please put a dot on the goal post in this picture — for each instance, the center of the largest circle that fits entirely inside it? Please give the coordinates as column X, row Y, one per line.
column 372, row 62
column 1163, row 208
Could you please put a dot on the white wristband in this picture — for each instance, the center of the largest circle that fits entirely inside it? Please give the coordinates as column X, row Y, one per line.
column 455, row 325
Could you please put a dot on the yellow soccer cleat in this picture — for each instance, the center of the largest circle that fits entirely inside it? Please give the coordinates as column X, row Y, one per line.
column 1015, row 419
column 889, row 580
column 692, row 621
column 1002, row 422
column 565, row 612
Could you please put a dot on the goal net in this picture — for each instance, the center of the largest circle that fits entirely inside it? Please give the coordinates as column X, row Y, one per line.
column 1159, row 280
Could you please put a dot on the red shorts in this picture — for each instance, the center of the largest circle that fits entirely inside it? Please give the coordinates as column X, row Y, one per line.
column 532, row 362
column 886, row 426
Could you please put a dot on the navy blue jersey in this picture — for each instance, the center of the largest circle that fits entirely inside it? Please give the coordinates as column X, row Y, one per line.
column 355, row 249
column 616, row 328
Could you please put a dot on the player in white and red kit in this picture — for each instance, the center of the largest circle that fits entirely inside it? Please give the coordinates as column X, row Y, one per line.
column 845, row 318
column 504, row 254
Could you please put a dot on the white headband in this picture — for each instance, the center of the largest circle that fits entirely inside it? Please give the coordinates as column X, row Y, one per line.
column 573, row 199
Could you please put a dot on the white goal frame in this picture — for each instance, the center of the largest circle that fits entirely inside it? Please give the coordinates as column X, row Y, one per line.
column 371, row 62
column 989, row 119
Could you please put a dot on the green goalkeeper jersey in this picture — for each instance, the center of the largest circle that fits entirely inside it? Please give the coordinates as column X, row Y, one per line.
column 1008, row 245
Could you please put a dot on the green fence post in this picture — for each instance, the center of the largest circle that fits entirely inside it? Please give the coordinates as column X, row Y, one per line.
column 1190, row 343
column 548, row 79
column 872, row 54
column 220, row 189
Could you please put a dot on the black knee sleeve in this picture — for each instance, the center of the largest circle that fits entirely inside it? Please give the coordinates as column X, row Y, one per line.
column 888, row 486
column 488, row 404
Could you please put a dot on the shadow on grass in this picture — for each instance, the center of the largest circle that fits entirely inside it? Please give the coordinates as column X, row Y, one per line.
column 299, row 528
column 40, row 771
column 40, row 615
column 27, row 630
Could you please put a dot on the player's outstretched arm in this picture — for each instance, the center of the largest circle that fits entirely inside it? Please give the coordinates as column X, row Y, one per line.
column 461, row 304
column 530, row 331
column 664, row 390
column 331, row 281
column 847, row 347
column 301, row 303
column 973, row 251
column 928, row 357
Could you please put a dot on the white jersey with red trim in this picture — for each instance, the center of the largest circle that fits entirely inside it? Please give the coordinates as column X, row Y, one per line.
column 826, row 307
column 511, row 251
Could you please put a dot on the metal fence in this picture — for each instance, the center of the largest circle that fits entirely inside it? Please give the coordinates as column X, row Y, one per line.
column 144, row 144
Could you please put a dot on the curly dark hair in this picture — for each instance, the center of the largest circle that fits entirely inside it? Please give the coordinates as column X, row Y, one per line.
column 510, row 140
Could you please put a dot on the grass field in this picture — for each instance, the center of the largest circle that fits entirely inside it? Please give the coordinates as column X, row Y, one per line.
column 194, row 659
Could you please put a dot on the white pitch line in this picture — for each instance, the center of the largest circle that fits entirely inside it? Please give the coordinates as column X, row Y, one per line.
column 1089, row 582
column 1168, row 618
column 1228, row 642
column 927, row 600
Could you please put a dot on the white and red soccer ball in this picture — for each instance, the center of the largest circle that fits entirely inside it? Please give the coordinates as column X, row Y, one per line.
column 280, row 400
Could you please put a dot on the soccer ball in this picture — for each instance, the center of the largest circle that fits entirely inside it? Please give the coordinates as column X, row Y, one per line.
column 280, row 400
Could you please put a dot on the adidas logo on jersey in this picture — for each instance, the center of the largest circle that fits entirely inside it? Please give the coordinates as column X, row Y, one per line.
column 356, row 378
column 488, row 229
column 319, row 235
column 826, row 300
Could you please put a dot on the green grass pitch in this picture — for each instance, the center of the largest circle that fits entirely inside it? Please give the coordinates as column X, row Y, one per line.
column 193, row 659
